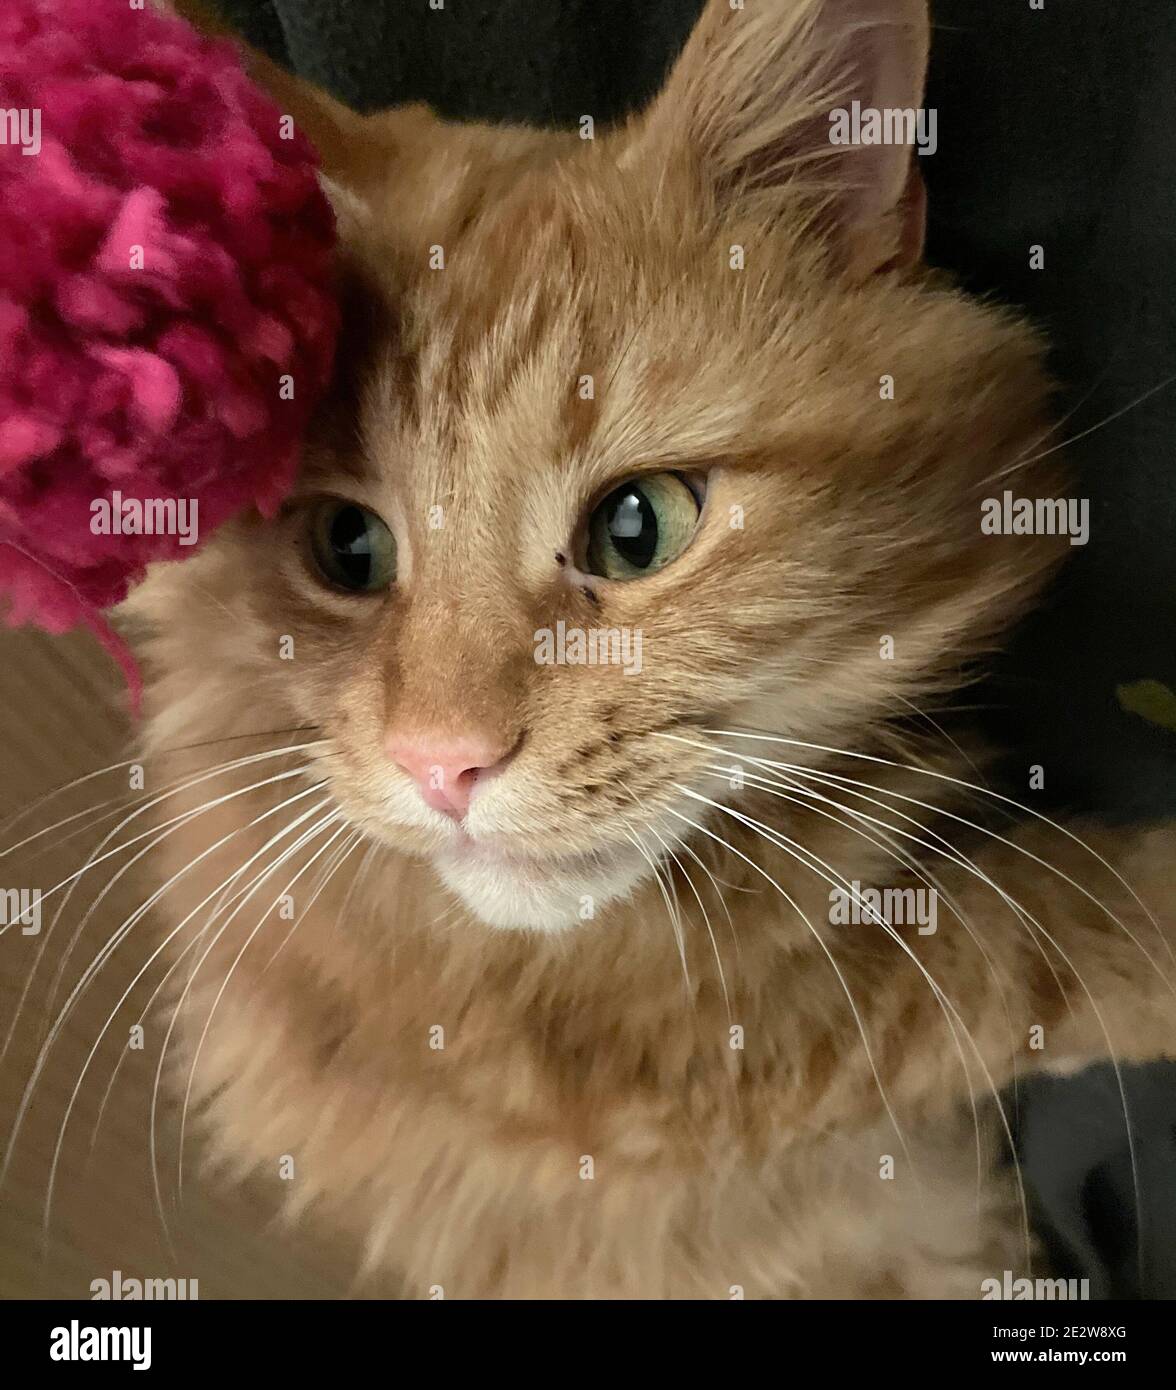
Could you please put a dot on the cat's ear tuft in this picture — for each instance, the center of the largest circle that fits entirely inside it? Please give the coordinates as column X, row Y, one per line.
column 760, row 103
column 352, row 212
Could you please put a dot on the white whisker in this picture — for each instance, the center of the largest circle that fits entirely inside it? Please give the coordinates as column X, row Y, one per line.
column 287, row 854
column 702, row 830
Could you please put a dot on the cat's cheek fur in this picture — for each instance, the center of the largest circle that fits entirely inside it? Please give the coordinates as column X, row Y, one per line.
column 541, row 897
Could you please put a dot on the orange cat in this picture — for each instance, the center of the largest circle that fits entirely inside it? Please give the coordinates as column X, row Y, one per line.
column 612, row 927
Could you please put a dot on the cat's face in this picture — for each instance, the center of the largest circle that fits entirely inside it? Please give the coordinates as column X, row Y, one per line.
column 631, row 441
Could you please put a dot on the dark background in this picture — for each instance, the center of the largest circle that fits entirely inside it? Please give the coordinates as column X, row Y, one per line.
column 1056, row 128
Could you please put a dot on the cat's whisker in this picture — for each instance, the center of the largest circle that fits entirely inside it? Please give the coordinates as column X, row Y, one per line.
column 685, row 846
column 96, row 964
column 697, row 896
column 91, row 816
column 853, row 1007
column 89, row 811
column 1057, row 424
column 180, row 785
column 281, row 858
column 1139, row 400
column 307, row 838
column 898, row 699
column 705, row 919
column 988, row 793
column 837, row 778
column 92, row 863
column 940, row 845
column 886, row 842
column 1027, row 920
column 671, row 908
column 1112, row 1052
column 38, row 802
column 96, row 856
column 332, row 867
column 884, row 837
column 225, row 888
column 937, row 844
column 122, row 803
column 42, row 946
column 63, row 963
column 952, row 1016
column 92, row 969
column 801, row 853
column 356, row 879
column 241, row 898
column 447, row 913
column 159, row 833
column 942, row 732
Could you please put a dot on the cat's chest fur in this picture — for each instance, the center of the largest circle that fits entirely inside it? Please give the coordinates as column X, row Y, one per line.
column 494, row 1114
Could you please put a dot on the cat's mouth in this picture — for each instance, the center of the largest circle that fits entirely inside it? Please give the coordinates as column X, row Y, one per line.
column 490, row 854
column 513, row 888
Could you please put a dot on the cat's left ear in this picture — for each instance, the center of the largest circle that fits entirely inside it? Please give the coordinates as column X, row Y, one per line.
column 760, row 108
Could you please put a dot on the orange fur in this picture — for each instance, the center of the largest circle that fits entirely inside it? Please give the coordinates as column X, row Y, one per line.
column 713, row 1165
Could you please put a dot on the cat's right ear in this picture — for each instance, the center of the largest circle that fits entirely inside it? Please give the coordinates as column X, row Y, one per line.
column 749, row 108
column 342, row 137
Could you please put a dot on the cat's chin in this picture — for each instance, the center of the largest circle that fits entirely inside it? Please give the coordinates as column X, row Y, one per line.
column 552, row 894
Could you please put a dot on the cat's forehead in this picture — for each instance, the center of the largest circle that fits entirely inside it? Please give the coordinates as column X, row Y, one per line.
column 536, row 409
column 562, row 331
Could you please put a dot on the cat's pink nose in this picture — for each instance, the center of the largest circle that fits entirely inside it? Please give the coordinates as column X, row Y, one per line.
column 446, row 769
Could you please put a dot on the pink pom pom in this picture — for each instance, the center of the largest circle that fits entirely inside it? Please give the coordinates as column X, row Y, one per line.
column 166, row 263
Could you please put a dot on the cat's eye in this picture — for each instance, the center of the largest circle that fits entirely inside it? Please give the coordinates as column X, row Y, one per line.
column 641, row 526
column 352, row 547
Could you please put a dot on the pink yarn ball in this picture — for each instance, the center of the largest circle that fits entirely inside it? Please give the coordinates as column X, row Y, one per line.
column 164, row 264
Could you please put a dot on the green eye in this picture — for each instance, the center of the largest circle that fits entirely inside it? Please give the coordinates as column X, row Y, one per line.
column 352, row 547
column 641, row 526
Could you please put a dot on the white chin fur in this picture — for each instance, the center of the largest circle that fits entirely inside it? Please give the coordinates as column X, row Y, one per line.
column 550, row 898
